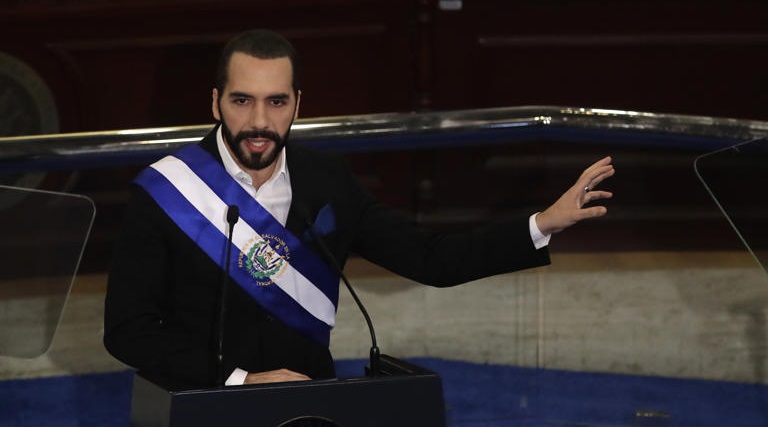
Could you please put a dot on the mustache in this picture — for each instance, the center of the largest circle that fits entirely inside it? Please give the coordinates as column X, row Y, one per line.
column 268, row 134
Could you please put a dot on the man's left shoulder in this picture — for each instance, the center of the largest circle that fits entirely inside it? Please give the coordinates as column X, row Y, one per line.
column 314, row 158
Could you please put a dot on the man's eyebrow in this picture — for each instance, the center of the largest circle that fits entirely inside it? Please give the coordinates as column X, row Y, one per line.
column 279, row 96
column 239, row 95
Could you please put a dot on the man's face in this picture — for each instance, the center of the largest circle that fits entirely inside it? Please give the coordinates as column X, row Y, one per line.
column 256, row 109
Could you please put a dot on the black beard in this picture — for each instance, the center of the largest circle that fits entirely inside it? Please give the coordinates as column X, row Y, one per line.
column 246, row 158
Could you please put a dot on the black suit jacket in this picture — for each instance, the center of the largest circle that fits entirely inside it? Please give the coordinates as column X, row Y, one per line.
column 162, row 291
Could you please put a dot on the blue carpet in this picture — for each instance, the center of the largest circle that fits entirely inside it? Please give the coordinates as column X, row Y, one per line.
column 476, row 395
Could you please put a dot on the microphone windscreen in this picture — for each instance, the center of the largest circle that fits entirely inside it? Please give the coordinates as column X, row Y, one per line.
column 233, row 213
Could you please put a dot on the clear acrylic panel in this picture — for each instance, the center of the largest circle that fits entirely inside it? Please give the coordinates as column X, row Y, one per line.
column 42, row 238
column 737, row 179
column 647, row 335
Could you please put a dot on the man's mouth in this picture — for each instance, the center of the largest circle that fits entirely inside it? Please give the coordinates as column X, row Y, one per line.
column 257, row 144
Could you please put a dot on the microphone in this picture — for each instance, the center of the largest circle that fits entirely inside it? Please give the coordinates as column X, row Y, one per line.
column 233, row 214
column 375, row 354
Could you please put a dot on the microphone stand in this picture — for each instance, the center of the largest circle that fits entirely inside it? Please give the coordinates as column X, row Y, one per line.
column 374, row 354
column 233, row 214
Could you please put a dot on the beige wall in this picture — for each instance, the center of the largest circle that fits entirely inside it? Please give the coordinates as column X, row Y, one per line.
column 693, row 315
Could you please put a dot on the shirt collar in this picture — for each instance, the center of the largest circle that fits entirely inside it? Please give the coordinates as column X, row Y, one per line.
column 234, row 169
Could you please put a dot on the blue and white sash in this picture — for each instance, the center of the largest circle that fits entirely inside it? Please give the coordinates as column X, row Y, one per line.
column 272, row 266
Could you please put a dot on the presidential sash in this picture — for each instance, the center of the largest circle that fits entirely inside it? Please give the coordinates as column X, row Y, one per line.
column 273, row 266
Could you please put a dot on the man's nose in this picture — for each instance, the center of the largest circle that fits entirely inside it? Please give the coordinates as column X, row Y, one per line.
column 259, row 119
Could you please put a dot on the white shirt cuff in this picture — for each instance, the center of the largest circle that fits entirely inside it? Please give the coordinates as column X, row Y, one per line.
column 237, row 377
column 539, row 239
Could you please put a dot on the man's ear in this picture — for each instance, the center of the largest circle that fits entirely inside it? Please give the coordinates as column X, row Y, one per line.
column 215, row 105
column 298, row 101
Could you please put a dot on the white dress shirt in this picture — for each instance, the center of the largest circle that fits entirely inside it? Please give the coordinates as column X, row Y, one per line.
column 274, row 195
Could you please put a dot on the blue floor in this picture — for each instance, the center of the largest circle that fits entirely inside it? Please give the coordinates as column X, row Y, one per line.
column 476, row 395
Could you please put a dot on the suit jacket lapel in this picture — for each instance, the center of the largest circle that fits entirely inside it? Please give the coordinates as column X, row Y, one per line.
column 307, row 198
column 208, row 143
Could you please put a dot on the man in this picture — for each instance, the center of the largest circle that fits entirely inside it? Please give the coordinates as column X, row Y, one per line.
column 162, row 299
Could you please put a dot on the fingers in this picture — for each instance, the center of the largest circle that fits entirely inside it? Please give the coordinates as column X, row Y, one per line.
column 280, row 375
column 596, row 173
column 596, row 195
column 602, row 174
column 595, row 168
column 570, row 207
column 605, row 161
column 592, row 212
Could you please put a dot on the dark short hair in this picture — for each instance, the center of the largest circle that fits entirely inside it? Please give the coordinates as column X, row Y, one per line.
column 262, row 44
